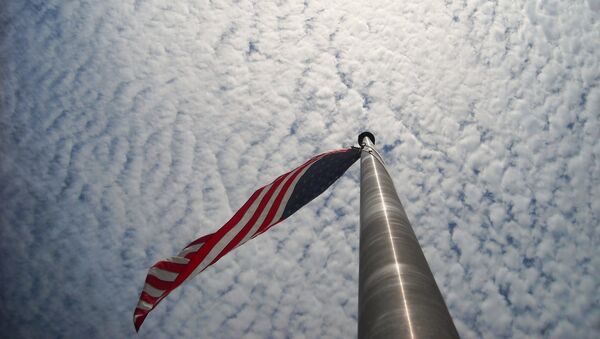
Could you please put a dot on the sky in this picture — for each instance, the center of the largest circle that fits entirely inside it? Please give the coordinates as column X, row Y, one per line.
column 130, row 128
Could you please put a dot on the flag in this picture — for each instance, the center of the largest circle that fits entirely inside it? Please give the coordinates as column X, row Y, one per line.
column 268, row 206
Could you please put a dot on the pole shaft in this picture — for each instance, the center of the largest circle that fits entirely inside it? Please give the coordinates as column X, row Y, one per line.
column 398, row 296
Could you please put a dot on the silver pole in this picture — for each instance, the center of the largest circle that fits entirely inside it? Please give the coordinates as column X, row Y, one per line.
column 397, row 294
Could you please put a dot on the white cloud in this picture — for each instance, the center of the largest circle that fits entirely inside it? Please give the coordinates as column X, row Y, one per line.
column 129, row 128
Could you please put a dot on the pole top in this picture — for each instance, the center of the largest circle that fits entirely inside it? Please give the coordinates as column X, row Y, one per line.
column 365, row 135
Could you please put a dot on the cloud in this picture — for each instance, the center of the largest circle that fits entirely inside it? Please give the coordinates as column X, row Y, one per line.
column 130, row 128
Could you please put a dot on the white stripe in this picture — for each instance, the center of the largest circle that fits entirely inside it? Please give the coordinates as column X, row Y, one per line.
column 222, row 243
column 162, row 274
column 144, row 305
column 153, row 291
column 256, row 226
column 287, row 195
column 265, row 212
column 190, row 249
column 178, row 260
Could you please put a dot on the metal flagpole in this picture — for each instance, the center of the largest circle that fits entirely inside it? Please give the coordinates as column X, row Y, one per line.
column 397, row 294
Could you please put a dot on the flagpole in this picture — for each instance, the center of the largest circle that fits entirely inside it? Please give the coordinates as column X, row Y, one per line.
column 397, row 294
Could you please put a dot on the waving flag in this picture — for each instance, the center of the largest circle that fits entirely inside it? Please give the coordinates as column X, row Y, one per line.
column 266, row 207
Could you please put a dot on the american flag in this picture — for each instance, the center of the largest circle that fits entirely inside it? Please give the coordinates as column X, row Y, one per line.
column 268, row 206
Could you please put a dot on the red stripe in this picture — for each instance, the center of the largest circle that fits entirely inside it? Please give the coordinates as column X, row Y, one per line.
column 233, row 243
column 148, row 298
column 191, row 255
column 196, row 260
column 139, row 311
column 214, row 238
column 280, row 198
column 159, row 284
column 234, row 220
column 138, row 321
column 170, row 266
column 287, row 185
column 195, row 257
column 203, row 238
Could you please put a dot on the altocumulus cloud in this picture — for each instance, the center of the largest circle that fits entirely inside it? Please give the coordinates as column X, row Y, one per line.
column 129, row 128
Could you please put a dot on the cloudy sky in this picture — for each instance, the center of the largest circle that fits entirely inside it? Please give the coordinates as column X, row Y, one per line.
column 129, row 128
